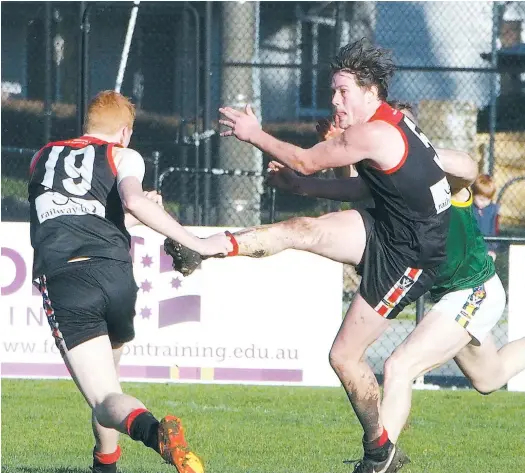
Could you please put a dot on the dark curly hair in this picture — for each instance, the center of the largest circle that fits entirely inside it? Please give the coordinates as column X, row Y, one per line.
column 370, row 64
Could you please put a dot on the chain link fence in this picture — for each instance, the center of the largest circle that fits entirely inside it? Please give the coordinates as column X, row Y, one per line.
column 461, row 65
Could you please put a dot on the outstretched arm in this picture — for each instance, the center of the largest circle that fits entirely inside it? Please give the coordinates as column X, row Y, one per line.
column 355, row 144
column 350, row 189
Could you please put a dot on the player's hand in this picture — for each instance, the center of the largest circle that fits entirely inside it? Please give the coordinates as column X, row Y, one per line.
column 154, row 196
column 326, row 129
column 283, row 178
column 216, row 245
column 242, row 125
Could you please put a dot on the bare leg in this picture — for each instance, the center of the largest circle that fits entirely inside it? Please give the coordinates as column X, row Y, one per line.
column 489, row 369
column 361, row 327
column 339, row 236
column 91, row 365
column 437, row 339
column 106, row 440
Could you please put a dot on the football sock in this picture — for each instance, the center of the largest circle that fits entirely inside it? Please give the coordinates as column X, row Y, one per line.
column 379, row 448
column 105, row 462
column 235, row 250
column 142, row 426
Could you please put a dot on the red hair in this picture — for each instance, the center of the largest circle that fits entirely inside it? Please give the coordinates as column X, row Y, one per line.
column 484, row 185
column 108, row 112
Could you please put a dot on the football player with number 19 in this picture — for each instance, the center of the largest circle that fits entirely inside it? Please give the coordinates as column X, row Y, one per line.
column 84, row 193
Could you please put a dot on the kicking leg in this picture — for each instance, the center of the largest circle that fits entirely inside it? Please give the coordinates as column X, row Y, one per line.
column 437, row 339
column 339, row 236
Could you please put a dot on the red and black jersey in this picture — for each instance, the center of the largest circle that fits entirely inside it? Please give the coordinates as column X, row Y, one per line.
column 75, row 208
column 411, row 199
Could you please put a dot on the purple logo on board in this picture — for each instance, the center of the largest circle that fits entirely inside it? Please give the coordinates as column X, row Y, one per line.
column 171, row 310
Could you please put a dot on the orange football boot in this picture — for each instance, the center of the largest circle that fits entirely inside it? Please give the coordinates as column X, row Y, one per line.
column 174, row 448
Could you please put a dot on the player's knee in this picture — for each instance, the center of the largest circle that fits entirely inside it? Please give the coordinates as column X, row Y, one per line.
column 107, row 403
column 305, row 229
column 398, row 366
column 341, row 358
column 104, row 399
column 483, row 387
column 299, row 223
column 337, row 362
column 484, row 390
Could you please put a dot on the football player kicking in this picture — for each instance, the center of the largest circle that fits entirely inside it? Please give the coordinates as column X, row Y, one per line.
column 469, row 296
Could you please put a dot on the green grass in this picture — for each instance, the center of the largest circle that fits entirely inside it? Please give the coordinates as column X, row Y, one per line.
column 248, row 429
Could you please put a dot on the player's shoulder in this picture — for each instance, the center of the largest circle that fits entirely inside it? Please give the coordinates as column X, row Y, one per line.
column 382, row 138
column 379, row 131
column 129, row 154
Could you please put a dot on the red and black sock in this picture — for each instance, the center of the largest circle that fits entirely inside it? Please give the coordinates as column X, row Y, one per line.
column 379, row 448
column 142, row 426
column 105, row 462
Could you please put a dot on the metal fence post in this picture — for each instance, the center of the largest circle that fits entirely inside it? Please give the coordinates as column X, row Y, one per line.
column 272, row 206
column 156, row 158
column 489, row 161
column 207, row 110
column 420, row 309
column 83, row 97
column 47, row 93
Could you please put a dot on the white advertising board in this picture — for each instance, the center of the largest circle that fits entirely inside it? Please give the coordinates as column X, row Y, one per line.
column 235, row 320
column 516, row 309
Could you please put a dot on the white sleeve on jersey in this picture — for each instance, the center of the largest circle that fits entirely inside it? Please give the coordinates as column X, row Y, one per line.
column 129, row 164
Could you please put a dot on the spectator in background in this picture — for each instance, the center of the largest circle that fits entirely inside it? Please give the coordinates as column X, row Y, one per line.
column 486, row 211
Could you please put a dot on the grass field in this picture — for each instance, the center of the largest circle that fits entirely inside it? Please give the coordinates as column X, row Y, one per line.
column 248, row 429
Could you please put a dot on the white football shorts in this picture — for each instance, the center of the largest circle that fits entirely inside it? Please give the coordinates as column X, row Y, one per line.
column 477, row 309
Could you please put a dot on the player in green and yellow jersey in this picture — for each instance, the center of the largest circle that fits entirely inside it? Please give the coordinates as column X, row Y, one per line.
column 469, row 296
column 467, row 265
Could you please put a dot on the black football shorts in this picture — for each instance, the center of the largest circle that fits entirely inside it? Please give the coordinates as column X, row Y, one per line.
column 87, row 299
column 389, row 282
